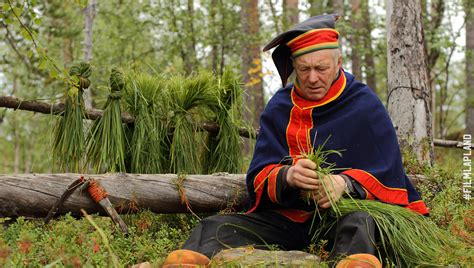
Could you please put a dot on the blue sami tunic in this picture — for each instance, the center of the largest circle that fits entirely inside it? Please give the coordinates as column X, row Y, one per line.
column 357, row 124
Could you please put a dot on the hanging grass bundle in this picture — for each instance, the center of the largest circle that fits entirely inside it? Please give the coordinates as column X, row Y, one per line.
column 408, row 239
column 146, row 100
column 190, row 98
column 68, row 138
column 106, row 139
column 224, row 153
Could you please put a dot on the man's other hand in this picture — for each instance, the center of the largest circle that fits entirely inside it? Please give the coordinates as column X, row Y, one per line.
column 335, row 185
column 303, row 176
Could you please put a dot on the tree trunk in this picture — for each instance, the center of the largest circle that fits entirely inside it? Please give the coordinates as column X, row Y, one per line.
column 409, row 98
column 469, row 67
column 191, row 39
column 35, row 194
column 338, row 7
column 251, row 62
column 356, row 44
column 214, row 42
column 290, row 13
column 89, row 15
column 368, row 50
column 320, row 7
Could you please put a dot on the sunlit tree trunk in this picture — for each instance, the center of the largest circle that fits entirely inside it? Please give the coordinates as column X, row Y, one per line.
column 89, row 15
column 214, row 47
column 409, row 99
column 191, row 38
column 290, row 13
column 368, row 50
column 469, row 6
column 320, row 7
column 251, row 61
column 356, row 38
column 338, row 8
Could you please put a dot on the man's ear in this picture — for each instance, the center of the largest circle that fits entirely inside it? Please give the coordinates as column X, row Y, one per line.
column 339, row 62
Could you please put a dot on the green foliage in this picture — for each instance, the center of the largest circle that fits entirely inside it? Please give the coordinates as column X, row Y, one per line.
column 76, row 243
column 68, row 137
column 145, row 99
column 106, row 140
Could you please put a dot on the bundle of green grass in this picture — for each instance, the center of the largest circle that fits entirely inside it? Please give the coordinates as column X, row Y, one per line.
column 407, row 239
column 106, row 140
column 168, row 109
column 165, row 137
column 68, row 137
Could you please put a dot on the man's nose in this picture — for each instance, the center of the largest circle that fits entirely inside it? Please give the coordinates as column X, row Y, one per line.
column 313, row 76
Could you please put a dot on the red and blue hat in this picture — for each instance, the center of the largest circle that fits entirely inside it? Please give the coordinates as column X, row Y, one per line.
column 313, row 34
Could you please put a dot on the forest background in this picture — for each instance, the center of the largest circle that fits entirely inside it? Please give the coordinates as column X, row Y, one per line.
column 186, row 36
column 41, row 39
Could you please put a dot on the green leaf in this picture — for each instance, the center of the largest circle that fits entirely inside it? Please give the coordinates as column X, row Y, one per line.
column 53, row 73
column 29, row 54
column 25, row 34
column 37, row 21
column 6, row 7
column 9, row 21
column 17, row 11
column 42, row 64
column 72, row 91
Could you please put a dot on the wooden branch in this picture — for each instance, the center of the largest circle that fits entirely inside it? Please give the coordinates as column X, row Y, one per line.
column 93, row 114
column 32, row 195
column 448, row 143
column 46, row 108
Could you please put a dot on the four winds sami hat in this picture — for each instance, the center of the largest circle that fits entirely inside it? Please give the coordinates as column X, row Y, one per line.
column 313, row 34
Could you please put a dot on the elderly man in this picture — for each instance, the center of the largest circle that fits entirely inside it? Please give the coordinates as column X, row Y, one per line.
column 324, row 103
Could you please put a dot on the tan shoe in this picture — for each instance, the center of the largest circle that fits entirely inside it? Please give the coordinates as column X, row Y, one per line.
column 361, row 260
column 142, row 265
column 185, row 258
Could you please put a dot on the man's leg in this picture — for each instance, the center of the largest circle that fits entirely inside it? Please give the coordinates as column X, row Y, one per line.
column 260, row 229
column 353, row 233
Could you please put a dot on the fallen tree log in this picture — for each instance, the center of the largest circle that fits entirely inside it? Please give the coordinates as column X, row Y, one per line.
column 32, row 195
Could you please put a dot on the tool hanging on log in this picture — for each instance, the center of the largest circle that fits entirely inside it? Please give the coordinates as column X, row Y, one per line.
column 97, row 193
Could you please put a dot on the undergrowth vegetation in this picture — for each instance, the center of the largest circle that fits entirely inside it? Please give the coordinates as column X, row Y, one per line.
column 71, row 242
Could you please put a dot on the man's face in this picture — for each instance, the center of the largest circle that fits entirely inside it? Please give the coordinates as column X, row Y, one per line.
column 316, row 71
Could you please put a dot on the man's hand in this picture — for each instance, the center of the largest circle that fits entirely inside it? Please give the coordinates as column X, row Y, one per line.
column 335, row 186
column 303, row 176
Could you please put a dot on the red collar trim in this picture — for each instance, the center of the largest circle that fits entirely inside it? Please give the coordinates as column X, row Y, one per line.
column 335, row 91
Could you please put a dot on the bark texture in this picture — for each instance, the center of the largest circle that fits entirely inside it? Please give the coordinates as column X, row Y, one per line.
column 356, row 38
column 409, row 98
column 252, row 62
column 89, row 15
column 290, row 13
column 33, row 195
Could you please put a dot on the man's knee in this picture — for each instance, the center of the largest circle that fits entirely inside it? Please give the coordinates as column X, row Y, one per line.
column 359, row 217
